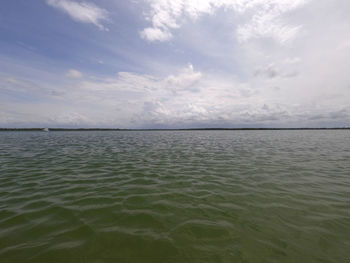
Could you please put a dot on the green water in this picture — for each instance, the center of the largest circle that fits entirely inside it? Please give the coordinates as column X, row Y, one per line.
column 175, row 196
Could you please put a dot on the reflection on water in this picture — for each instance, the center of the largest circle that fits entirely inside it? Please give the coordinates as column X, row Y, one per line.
column 175, row 196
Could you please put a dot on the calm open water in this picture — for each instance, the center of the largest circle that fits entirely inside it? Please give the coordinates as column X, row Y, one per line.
column 175, row 196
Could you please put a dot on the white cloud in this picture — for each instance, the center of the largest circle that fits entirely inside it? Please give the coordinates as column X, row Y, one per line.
column 74, row 74
column 256, row 78
column 265, row 26
column 185, row 98
column 186, row 80
column 84, row 12
column 343, row 46
column 278, row 70
column 264, row 17
column 155, row 34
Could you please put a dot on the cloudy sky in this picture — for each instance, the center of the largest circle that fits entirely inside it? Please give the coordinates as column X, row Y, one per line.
column 174, row 63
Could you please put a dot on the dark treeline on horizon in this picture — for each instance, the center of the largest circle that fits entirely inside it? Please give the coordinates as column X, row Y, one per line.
column 187, row 129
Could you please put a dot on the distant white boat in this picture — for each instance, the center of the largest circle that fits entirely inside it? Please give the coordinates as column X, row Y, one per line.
column 46, row 129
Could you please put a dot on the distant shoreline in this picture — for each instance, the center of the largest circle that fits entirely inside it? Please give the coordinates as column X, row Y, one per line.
column 189, row 129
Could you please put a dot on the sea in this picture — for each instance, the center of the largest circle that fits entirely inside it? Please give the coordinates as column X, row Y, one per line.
column 175, row 196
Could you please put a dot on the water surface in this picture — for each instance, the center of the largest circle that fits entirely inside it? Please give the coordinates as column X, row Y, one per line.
column 175, row 196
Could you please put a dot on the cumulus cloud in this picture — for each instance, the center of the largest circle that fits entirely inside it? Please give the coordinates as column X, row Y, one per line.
column 244, row 71
column 84, row 12
column 264, row 17
column 156, row 34
column 134, row 100
column 186, row 80
column 185, row 98
column 74, row 74
column 272, row 71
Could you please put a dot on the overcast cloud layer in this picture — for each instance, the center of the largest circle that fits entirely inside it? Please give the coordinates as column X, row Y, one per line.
column 175, row 64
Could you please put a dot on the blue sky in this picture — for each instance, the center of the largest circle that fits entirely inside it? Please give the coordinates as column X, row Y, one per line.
column 174, row 64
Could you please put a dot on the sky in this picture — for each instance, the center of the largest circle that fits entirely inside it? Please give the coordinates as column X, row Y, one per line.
column 174, row 63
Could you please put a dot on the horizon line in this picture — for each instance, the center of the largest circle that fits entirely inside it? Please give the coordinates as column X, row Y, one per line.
column 169, row 129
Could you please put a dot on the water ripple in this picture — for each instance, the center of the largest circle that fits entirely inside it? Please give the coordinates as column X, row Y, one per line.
column 204, row 196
